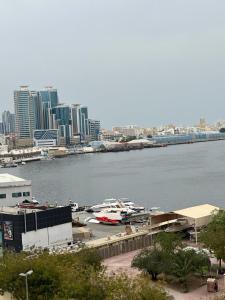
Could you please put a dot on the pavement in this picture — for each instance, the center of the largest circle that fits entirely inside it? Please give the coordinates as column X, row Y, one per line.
column 122, row 264
column 6, row 297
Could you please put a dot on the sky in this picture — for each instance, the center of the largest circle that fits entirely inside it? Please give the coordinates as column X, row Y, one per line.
column 143, row 62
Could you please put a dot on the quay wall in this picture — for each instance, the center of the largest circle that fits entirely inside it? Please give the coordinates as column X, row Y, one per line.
column 119, row 246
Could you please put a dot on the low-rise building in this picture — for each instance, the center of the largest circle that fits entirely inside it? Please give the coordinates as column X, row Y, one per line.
column 14, row 190
column 46, row 138
column 94, row 129
column 29, row 229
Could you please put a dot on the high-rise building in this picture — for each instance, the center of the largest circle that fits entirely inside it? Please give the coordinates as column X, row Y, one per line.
column 80, row 125
column 83, row 120
column 37, row 110
column 1, row 128
column 64, row 121
column 12, row 120
column 8, row 120
column 23, row 104
column 49, row 99
column 94, row 129
column 75, row 115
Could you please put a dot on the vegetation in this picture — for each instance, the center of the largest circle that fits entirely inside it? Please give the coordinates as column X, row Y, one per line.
column 186, row 263
column 152, row 261
column 78, row 276
column 214, row 236
column 167, row 256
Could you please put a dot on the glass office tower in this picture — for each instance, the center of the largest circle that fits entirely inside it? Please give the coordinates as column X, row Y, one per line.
column 49, row 98
column 24, row 121
column 64, row 121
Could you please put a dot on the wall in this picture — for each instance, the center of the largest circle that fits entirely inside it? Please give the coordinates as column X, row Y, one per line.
column 48, row 237
column 124, row 246
column 9, row 200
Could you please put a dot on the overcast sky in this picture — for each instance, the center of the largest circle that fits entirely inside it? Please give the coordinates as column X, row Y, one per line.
column 138, row 62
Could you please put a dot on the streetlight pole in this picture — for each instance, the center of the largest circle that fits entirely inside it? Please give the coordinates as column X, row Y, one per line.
column 26, row 281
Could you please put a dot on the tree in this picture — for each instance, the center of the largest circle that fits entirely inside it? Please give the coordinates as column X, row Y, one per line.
column 168, row 257
column 214, row 236
column 169, row 241
column 139, row 288
column 153, row 261
column 186, row 263
column 77, row 276
column 158, row 259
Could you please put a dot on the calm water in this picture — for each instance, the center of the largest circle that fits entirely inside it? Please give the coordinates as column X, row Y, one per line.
column 172, row 177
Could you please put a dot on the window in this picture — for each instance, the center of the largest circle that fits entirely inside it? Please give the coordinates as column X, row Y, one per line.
column 26, row 194
column 16, row 195
column 2, row 196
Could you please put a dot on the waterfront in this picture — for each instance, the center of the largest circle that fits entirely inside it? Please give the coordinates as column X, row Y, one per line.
column 171, row 177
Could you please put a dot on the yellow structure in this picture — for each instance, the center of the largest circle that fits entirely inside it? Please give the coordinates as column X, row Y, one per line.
column 199, row 215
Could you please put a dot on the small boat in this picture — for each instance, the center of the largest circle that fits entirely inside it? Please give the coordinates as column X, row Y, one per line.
column 9, row 165
column 113, row 216
column 31, row 204
column 75, row 207
column 131, row 205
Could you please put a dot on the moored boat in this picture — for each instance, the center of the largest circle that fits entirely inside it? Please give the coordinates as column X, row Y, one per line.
column 32, row 204
column 114, row 203
column 113, row 216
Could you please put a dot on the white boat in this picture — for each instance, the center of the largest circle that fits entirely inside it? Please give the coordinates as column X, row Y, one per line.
column 113, row 216
column 114, row 203
column 107, row 203
column 131, row 205
column 74, row 206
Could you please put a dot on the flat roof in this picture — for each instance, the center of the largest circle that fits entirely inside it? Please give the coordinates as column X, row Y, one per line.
column 17, row 210
column 198, row 211
column 4, row 178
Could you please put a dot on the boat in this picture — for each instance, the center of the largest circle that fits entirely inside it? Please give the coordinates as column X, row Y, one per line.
column 31, row 204
column 131, row 205
column 113, row 216
column 75, row 206
column 9, row 165
column 114, row 203
column 107, row 203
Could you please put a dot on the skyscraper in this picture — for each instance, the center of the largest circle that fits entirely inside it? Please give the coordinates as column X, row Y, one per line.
column 80, row 125
column 49, row 99
column 8, row 120
column 64, row 121
column 83, row 119
column 23, row 104
column 37, row 110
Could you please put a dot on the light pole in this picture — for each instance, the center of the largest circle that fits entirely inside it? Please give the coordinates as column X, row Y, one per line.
column 26, row 281
column 150, row 219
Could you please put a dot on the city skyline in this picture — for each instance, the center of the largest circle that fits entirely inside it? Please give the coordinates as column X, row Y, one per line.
column 151, row 62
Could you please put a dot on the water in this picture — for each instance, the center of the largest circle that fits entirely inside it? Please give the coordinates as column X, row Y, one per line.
column 172, row 177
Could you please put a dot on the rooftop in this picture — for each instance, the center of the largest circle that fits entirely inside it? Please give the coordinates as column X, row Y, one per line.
column 16, row 210
column 198, row 211
column 5, row 178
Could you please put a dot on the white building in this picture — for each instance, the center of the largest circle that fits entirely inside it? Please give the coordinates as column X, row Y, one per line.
column 14, row 190
column 46, row 138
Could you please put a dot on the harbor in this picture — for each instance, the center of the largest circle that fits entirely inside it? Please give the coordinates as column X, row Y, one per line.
column 16, row 157
column 170, row 177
